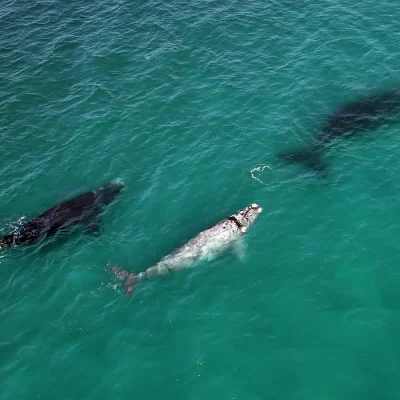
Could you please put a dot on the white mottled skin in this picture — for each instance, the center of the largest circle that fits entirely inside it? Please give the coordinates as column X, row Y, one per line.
column 206, row 245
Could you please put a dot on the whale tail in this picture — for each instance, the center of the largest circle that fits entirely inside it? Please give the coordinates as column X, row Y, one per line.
column 130, row 279
column 308, row 156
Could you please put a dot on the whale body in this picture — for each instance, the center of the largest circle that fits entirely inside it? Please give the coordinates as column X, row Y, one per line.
column 206, row 245
column 83, row 209
column 358, row 116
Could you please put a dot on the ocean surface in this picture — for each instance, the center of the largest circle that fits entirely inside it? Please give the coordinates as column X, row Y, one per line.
column 188, row 103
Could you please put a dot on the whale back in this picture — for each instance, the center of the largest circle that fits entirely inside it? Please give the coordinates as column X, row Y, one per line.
column 364, row 114
column 81, row 209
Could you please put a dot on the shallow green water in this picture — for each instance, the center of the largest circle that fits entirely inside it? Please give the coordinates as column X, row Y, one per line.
column 188, row 102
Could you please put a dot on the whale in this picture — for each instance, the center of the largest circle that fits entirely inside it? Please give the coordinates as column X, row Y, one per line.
column 366, row 113
column 207, row 245
column 84, row 209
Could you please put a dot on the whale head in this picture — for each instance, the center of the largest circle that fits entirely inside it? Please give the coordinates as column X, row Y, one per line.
column 108, row 192
column 247, row 216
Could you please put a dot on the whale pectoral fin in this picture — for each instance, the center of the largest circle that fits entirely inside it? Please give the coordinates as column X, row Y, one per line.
column 95, row 228
column 239, row 249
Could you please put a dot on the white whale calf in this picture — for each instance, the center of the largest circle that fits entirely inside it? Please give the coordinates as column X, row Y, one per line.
column 206, row 245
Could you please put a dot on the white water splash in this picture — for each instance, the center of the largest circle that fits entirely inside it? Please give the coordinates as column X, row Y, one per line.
column 21, row 220
column 259, row 170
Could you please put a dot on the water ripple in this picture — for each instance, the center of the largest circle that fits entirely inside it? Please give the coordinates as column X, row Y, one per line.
column 182, row 100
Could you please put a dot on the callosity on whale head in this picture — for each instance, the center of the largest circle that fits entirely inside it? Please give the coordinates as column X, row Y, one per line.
column 247, row 216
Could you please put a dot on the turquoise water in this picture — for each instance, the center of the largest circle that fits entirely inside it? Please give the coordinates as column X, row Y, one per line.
column 188, row 102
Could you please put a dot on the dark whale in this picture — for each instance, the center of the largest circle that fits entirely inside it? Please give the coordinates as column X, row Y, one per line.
column 83, row 209
column 359, row 116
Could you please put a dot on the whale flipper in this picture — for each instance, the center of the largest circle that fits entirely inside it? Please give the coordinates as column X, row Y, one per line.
column 239, row 249
column 130, row 279
column 308, row 156
column 95, row 228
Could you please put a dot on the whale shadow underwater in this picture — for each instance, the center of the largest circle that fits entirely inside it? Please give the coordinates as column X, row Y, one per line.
column 365, row 114
column 84, row 209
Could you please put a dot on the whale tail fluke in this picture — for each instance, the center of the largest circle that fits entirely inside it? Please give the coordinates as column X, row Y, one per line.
column 130, row 279
column 308, row 156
